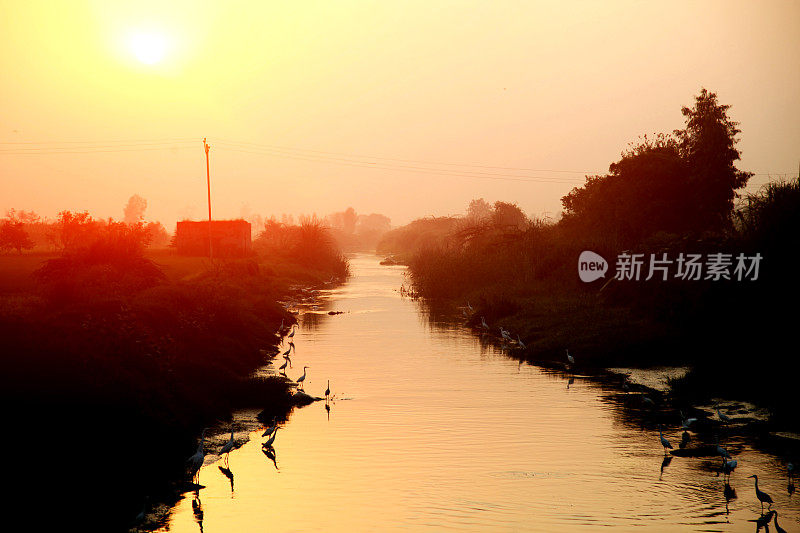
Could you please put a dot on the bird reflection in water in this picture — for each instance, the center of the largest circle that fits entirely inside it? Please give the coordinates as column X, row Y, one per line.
column 328, row 410
column 790, row 487
column 664, row 464
column 270, row 453
column 570, row 381
column 762, row 522
column 197, row 509
column 228, row 474
column 730, row 494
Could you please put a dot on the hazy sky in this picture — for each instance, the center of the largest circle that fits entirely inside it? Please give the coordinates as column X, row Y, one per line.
column 316, row 106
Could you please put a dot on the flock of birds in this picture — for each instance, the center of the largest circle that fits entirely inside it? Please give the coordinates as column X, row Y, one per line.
column 727, row 467
column 728, row 464
column 195, row 462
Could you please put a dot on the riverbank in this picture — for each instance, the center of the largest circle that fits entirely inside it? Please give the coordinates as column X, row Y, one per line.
column 123, row 361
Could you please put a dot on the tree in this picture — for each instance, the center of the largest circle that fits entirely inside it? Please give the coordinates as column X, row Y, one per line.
column 508, row 215
column 134, row 210
column 71, row 230
column 14, row 237
column 479, row 210
column 708, row 145
column 681, row 183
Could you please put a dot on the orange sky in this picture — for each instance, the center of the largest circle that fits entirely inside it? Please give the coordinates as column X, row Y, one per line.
column 536, row 85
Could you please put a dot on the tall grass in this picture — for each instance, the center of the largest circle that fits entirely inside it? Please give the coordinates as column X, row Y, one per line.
column 309, row 245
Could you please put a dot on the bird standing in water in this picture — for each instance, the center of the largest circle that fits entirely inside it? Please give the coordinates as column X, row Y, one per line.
column 570, row 359
column 271, row 440
column 664, row 442
column 302, row 378
column 328, row 390
column 226, row 450
column 196, row 460
column 762, row 496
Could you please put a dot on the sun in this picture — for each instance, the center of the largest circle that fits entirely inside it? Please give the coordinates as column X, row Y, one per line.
column 149, row 48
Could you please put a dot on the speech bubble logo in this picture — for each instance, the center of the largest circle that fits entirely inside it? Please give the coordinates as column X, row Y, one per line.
column 591, row 266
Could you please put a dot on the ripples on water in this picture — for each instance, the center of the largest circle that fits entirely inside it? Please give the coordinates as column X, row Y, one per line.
column 429, row 431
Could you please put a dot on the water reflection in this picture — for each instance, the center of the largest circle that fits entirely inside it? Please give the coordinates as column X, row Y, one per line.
column 197, row 510
column 228, row 474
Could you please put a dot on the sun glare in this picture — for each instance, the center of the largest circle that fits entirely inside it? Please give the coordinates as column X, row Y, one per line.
column 149, row 48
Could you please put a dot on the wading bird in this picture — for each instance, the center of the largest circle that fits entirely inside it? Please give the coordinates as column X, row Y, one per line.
column 302, row 378
column 722, row 451
column 288, row 352
column 291, row 333
column 570, row 359
column 664, row 442
column 328, row 390
column 196, row 460
column 469, row 307
column 722, row 416
column 484, row 325
column 762, row 496
column 729, row 466
column 282, row 368
column 520, row 343
column 288, row 360
column 686, row 422
column 226, row 450
column 271, row 440
column 271, row 429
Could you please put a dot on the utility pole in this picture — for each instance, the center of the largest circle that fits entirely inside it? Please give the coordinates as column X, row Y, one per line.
column 208, row 182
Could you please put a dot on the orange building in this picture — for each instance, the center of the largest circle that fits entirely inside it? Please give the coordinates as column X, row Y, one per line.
column 230, row 238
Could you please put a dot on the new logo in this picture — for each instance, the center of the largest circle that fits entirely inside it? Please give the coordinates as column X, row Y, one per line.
column 591, row 266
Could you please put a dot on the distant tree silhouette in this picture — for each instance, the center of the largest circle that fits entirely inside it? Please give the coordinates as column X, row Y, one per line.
column 14, row 237
column 134, row 210
column 479, row 210
column 508, row 215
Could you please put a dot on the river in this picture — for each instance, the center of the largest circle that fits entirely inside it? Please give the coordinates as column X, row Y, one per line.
column 430, row 430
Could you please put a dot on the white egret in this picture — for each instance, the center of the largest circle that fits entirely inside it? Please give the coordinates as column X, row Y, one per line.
column 226, row 450
column 729, row 466
column 686, row 422
column 271, row 429
column 722, row 416
column 664, row 442
column 762, row 496
column 270, row 440
column 570, row 358
column 722, row 451
column 196, row 460
column 469, row 307
column 484, row 325
column 302, row 378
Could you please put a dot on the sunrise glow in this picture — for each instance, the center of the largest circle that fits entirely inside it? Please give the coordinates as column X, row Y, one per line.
column 148, row 47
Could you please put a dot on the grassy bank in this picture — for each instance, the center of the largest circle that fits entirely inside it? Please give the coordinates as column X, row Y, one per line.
column 114, row 359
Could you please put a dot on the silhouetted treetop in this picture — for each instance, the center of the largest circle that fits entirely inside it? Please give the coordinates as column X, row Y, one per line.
column 680, row 183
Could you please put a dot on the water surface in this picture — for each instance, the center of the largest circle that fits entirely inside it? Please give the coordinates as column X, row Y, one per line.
column 430, row 431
